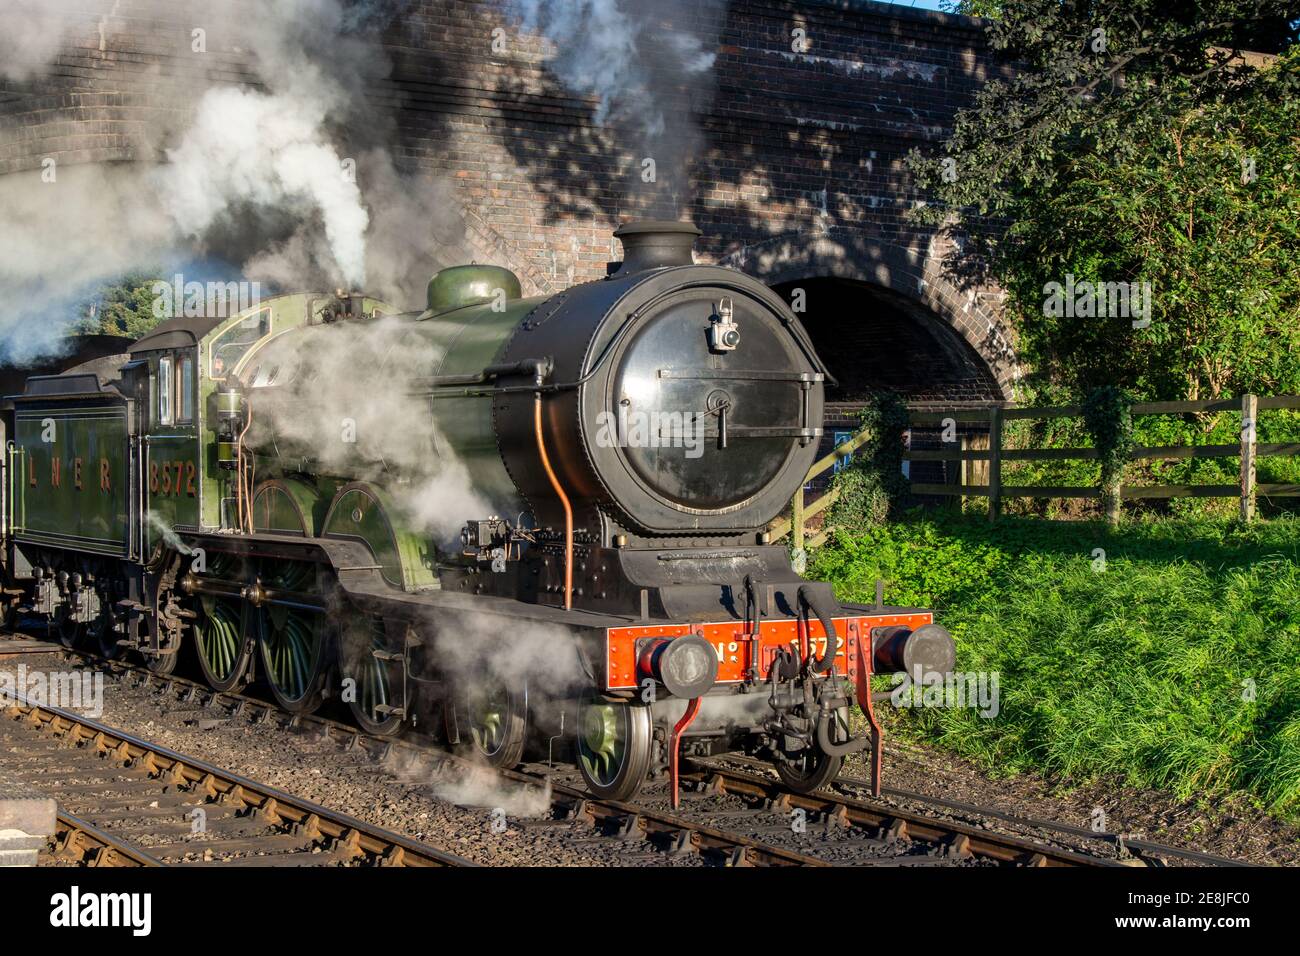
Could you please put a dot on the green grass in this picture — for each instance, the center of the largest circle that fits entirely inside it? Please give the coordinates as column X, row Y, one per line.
column 1139, row 670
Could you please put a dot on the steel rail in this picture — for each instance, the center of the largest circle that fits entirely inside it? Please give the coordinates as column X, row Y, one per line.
column 1122, row 842
column 656, row 825
column 678, row 834
column 1129, row 849
column 348, row 838
column 76, row 839
column 682, row 835
column 959, row 839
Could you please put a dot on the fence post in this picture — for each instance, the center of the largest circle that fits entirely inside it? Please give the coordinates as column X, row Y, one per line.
column 1249, row 412
column 962, row 471
column 995, row 462
column 796, row 520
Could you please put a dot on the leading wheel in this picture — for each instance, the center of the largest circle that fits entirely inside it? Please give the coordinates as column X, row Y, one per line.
column 294, row 643
column 812, row 768
column 614, row 746
column 491, row 721
column 808, row 770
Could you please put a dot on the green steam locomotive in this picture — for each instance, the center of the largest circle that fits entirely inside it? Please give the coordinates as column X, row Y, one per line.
column 497, row 520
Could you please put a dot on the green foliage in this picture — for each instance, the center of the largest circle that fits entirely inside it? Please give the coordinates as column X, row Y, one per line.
column 862, row 501
column 1173, row 663
column 122, row 307
column 1109, row 420
column 871, row 485
column 1133, row 146
column 975, row 8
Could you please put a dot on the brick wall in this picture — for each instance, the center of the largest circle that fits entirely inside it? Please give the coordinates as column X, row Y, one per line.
column 797, row 173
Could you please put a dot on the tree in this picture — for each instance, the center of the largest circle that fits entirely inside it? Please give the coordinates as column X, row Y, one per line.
column 121, row 307
column 1136, row 144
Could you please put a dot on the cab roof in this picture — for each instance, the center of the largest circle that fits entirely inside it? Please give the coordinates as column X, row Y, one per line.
column 177, row 333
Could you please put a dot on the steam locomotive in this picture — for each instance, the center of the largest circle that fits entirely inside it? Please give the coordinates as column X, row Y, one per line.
column 284, row 493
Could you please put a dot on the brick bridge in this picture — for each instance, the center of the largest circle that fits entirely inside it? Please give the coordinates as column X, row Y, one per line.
column 797, row 175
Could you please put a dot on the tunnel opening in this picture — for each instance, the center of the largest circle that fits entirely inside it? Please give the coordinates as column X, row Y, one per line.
column 875, row 339
column 872, row 338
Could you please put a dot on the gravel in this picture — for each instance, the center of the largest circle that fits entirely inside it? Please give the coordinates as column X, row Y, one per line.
column 463, row 811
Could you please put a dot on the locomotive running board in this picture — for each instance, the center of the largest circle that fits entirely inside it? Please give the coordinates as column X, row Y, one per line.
column 361, row 581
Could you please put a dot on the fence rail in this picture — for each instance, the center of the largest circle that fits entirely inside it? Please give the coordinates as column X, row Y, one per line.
column 1246, row 489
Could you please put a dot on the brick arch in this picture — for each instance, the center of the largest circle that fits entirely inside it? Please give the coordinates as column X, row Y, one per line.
column 814, row 145
column 914, row 301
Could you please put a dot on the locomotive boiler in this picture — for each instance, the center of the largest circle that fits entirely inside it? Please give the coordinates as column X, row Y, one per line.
column 500, row 519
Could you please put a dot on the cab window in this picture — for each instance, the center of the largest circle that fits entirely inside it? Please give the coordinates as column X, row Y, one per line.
column 185, row 389
column 163, row 402
column 174, row 390
column 231, row 345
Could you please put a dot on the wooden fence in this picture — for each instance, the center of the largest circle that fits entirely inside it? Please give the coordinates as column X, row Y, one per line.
column 800, row 513
column 990, row 460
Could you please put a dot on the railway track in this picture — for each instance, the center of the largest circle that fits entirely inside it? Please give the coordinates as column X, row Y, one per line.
column 80, row 842
column 722, row 802
column 232, row 800
column 967, row 829
column 139, row 804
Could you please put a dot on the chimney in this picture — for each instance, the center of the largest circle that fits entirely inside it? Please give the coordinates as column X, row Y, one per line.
column 655, row 244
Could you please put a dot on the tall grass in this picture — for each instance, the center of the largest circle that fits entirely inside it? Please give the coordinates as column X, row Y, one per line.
column 1175, row 665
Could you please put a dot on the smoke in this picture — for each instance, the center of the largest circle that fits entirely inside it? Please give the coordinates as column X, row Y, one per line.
column 541, row 656
column 259, row 176
column 346, row 396
column 249, row 151
column 649, row 65
column 60, row 239
column 267, row 151
column 31, row 36
column 470, row 785
column 168, row 534
column 622, row 53
column 413, row 232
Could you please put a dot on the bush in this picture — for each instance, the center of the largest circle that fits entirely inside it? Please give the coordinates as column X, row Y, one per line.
column 872, row 485
column 1171, row 662
column 863, row 501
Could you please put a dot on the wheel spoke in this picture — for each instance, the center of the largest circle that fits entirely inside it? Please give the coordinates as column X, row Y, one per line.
column 219, row 639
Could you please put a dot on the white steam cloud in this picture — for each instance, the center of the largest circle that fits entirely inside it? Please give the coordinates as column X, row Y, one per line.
column 470, row 785
column 344, row 396
column 267, row 150
column 649, row 65
column 621, row 51
column 255, row 178
column 31, row 32
column 58, row 240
